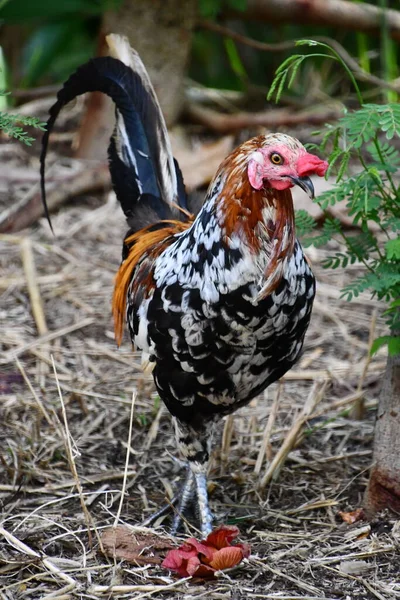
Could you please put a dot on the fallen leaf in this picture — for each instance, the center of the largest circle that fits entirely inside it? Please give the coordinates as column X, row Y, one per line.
column 204, row 558
column 353, row 516
column 141, row 548
column 227, row 558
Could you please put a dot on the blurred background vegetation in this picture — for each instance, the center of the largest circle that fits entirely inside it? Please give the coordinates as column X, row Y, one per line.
column 43, row 41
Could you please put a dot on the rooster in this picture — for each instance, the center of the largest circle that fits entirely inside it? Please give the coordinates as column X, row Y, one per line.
column 218, row 302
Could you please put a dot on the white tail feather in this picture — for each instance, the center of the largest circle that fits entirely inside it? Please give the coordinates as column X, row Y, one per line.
column 120, row 48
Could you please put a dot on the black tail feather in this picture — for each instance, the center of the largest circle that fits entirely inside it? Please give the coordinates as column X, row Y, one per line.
column 140, row 159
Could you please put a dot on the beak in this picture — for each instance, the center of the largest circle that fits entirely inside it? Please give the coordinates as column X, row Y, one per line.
column 306, row 184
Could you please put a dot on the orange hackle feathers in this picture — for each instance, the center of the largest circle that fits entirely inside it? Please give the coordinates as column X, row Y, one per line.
column 144, row 244
column 243, row 207
column 283, row 239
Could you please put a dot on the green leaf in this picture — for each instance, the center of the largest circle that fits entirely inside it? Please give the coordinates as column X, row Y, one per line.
column 393, row 343
column 393, row 249
column 10, row 124
column 305, row 223
column 361, row 125
column 389, row 119
column 234, row 58
column 308, row 43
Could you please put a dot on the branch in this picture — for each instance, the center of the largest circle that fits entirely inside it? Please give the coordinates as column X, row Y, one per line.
column 271, row 119
column 359, row 73
column 242, row 39
column 336, row 13
column 86, row 178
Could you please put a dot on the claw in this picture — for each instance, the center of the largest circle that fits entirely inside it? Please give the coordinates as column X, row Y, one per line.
column 194, row 488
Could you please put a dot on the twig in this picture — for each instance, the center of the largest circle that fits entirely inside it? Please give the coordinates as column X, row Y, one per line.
column 128, row 451
column 72, row 465
column 6, row 282
column 358, row 72
column 316, row 395
column 21, row 547
column 361, row 580
column 52, row 335
column 359, row 405
column 34, row 394
column 28, row 263
column 61, row 594
column 268, row 430
column 153, row 431
column 227, row 438
column 352, row 555
column 298, row 582
column 328, row 313
column 279, row 596
column 128, row 589
column 242, row 39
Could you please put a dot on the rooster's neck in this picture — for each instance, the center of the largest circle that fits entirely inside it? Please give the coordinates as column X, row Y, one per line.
column 259, row 218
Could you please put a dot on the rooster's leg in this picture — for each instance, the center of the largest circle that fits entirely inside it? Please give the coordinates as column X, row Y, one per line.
column 205, row 514
column 185, row 498
column 195, row 444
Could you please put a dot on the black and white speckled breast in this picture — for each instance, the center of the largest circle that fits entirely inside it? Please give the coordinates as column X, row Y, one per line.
column 214, row 342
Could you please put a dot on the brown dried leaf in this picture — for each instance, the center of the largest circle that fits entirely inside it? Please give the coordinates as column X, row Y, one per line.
column 141, row 548
column 353, row 516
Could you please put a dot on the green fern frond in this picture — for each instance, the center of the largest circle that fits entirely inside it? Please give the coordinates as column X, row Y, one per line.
column 305, row 223
column 10, row 125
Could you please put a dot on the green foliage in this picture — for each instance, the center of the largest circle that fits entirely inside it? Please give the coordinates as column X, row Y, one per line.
column 210, row 9
column 15, row 11
column 367, row 137
column 58, row 36
column 11, row 125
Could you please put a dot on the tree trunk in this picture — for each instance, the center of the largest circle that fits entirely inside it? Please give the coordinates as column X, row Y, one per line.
column 161, row 32
column 384, row 483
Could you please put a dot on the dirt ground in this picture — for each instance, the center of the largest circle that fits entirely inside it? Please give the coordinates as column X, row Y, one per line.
column 65, row 405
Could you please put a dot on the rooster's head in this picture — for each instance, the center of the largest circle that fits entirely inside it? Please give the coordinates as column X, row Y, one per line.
column 280, row 162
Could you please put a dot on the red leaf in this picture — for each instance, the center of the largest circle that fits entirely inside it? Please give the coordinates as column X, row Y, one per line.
column 201, row 548
column 192, row 566
column 245, row 548
column 204, row 571
column 178, row 560
column 222, row 536
column 202, row 559
column 226, row 558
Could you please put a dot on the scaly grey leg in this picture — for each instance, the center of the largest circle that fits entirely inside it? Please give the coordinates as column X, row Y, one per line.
column 185, row 497
column 195, row 444
column 205, row 514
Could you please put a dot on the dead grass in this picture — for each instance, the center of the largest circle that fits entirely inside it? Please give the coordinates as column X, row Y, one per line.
column 65, row 401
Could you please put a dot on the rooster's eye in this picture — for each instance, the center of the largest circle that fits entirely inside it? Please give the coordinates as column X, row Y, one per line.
column 276, row 158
